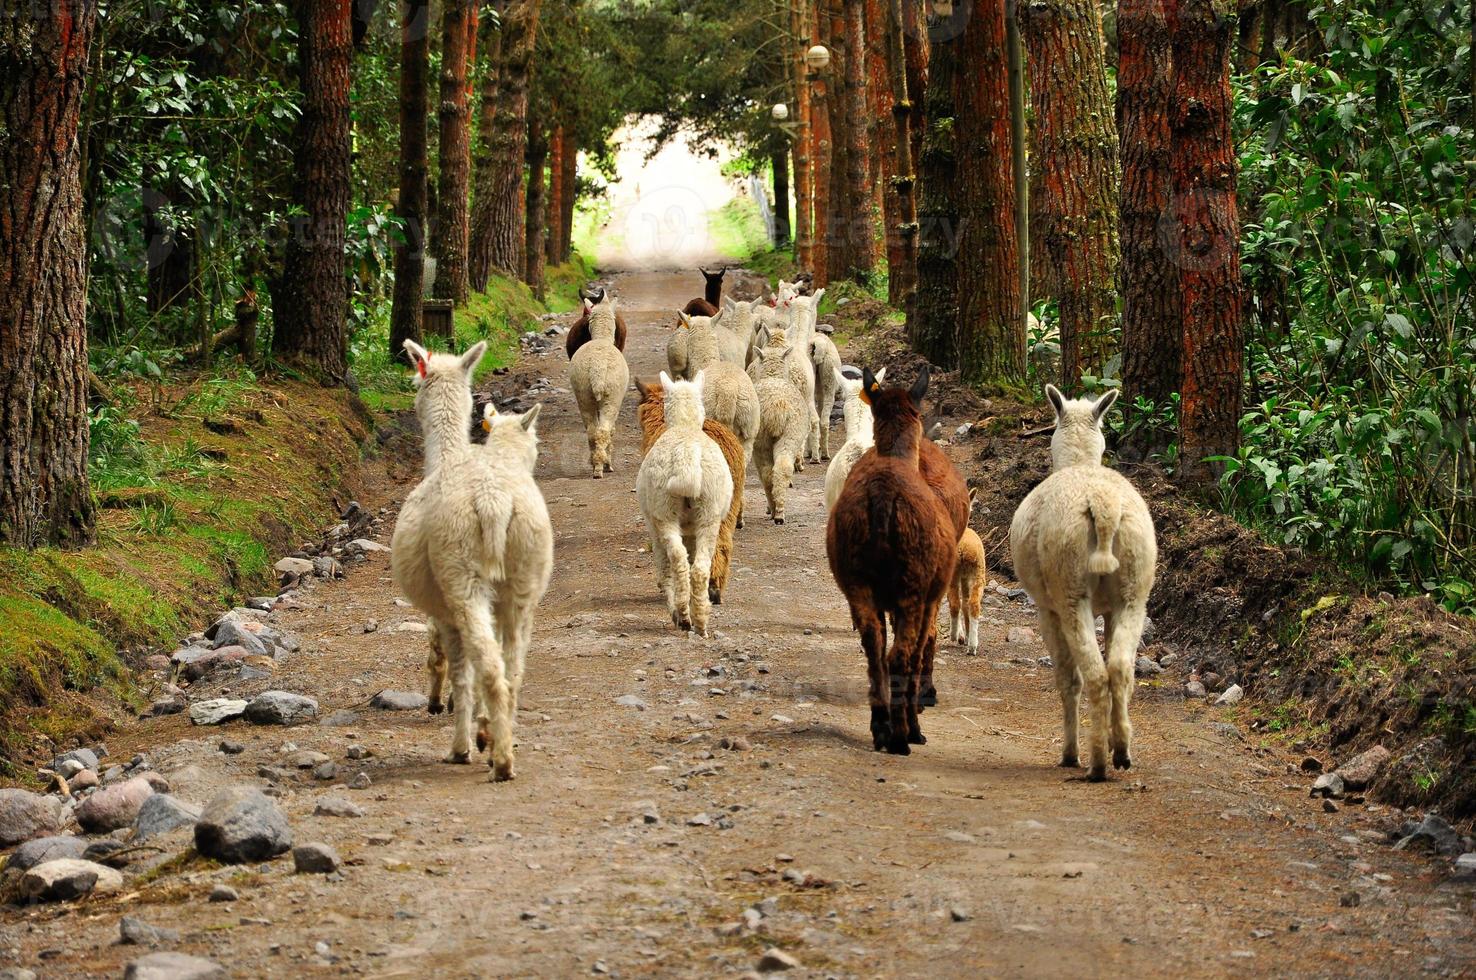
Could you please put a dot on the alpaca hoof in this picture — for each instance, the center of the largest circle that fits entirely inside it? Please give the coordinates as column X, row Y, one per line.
column 502, row 771
column 778, row 520
column 1097, row 774
column 1070, row 761
column 609, row 468
column 714, row 595
column 881, row 729
column 928, row 698
column 482, row 741
column 598, row 475
column 458, row 758
column 435, row 708
column 1121, row 759
column 917, row 738
column 895, row 747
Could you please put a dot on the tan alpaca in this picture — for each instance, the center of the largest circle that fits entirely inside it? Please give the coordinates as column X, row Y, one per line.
column 801, row 332
column 1083, row 544
column 599, row 376
column 858, row 435
column 783, row 423
column 966, row 591
column 827, row 363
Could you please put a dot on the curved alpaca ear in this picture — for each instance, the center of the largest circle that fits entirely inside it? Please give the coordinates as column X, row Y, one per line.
column 816, row 296
column 665, row 382
column 919, row 389
column 1057, row 400
column 489, row 412
column 727, row 303
column 870, row 387
column 530, row 417
column 470, row 359
column 881, row 375
column 1104, row 403
column 644, row 390
column 686, row 321
column 697, row 383
column 973, row 498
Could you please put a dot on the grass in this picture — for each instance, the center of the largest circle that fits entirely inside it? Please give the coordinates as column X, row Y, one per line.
column 737, row 230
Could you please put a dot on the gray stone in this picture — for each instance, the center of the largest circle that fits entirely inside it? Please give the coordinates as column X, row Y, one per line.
column 325, row 567
column 216, row 711
column 1146, row 667
column 173, row 966
column 163, row 707
column 399, row 701
column 1465, row 867
column 113, row 853
column 333, row 806
column 162, row 813
column 307, row 759
column 265, row 603
column 136, row 932
column 86, row 757
column 232, row 633
column 224, row 893
column 631, row 701
column 16, row 973
column 959, row 914
column 294, row 566
column 281, row 708
column 67, row 878
column 316, row 859
column 1021, row 635
column 86, row 779
column 114, row 807
column 1194, row 689
column 1232, row 695
column 1329, row 784
column 1433, row 834
column 342, row 718
column 43, row 849
column 241, row 824
column 775, row 960
column 364, row 544
column 1362, row 769
column 229, row 747
column 358, row 752
column 326, row 771
column 360, row 781
column 69, row 768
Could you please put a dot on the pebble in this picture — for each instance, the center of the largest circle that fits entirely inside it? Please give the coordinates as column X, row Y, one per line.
column 308, row 759
column 775, row 960
column 136, row 932
column 173, row 966
column 281, row 708
column 242, row 824
column 318, row 859
column 162, row 813
column 1327, row 784
column 65, row 879
column 1194, row 689
column 700, row 820
column 326, row 771
column 24, row 815
column 631, row 701
column 294, row 566
column 333, row 806
column 224, row 893
column 1021, row 635
column 360, row 781
column 216, row 711
column 399, row 701
column 84, row 758
column 1363, row 768
column 959, row 914
column 358, row 752
column 229, row 747
column 1328, row 806
column 1147, row 667
column 1232, row 695
column 114, row 807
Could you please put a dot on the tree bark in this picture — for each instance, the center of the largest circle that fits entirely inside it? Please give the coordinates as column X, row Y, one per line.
column 1015, row 53
column 570, row 181
column 44, row 496
column 1074, row 219
column 901, row 189
column 534, row 259
column 497, row 235
column 915, row 50
column 840, row 222
column 1206, row 232
column 879, row 131
column 455, row 149
column 820, row 159
column 779, row 166
column 1152, row 326
column 934, row 332
column 801, row 148
column 991, row 336
column 311, row 317
column 861, row 234
column 405, row 311
column 555, row 233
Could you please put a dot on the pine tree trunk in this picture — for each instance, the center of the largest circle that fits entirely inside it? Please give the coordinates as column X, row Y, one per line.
column 879, row 131
column 1075, row 154
column 820, row 158
column 533, row 267
column 405, row 313
column 570, row 181
column 934, row 332
column 840, row 221
column 801, row 148
column 497, row 234
column 455, row 149
column 861, row 234
column 991, row 335
column 555, row 233
column 901, row 192
column 311, row 317
column 779, row 167
column 1152, row 326
column 1206, row 227
column 44, row 496
column 915, row 51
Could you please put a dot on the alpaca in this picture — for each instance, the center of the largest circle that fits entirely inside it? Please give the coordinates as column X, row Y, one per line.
column 827, row 363
column 766, row 319
column 783, row 423
column 685, row 489
column 966, row 591
column 729, row 395
column 892, row 549
column 801, row 331
column 712, row 294
column 579, row 332
column 734, row 329
column 858, row 435
column 652, row 415
column 1083, row 544
column 473, row 550
column 599, row 376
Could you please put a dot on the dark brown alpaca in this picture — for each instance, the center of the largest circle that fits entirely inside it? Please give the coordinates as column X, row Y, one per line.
column 712, row 294
column 579, row 333
column 892, row 549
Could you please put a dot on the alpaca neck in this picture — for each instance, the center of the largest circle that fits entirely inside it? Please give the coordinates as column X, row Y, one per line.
column 1069, row 453
column 601, row 324
column 858, row 421
column 714, row 292
column 445, row 432
column 898, row 441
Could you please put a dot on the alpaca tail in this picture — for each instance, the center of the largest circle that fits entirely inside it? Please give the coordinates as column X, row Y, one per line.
column 1105, row 513
column 687, row 480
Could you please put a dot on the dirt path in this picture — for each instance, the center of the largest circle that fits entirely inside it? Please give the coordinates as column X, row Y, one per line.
column 633, row 841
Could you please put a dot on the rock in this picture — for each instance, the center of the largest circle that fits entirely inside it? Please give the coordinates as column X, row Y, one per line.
column 1212, row 680
column 1311, row 764
column 341, row 718
column 325, row 567
column 281, row 708
column 265, row 603
column 316, row 859
column 1195, row 690
column 16, row 973
column 959, row 914
column 229, row 747
column 232, row 633
column 1432, row 834
column 1361, row 770
column 358, row 752
column 735, row 743
column 1329, row 784
column 1350, row 900
column 1021, row 635
column 136, row 932
column 308, row 759
column 113, row 853
column 775, row 960
column 631, row 701
column 364, row 544
column 1328, row 806
column 333, row 806
column 173, row 966
column 85, row 759
column 326, row 771
column 86, row 779
column 64, row 879
column 165, row 707
column 360, row 781
column 224, row 893
column 241, row 824
column 1465, row 867
column 114, row 807
column 162, row 813
column 700, row 820
column 26, row 815
column 43, row 849
column 294, row 566
column 69, row 768
column 1147, row 667
column 216, row 711
column 1168, row 659
column 1232, row 695
column 399, row 701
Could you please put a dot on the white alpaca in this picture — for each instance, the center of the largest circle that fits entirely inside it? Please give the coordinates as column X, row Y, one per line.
column 728, row 393
column 1083, row 544
column 827, row 363
column 599, row 376
column 684, row 487
column 766, row 319
column 473, row 550
column 783, row 423
column 734, row 329
column 859, row 436
column 802, row 313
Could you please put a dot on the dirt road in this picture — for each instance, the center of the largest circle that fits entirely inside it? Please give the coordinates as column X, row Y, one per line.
column 739, row 774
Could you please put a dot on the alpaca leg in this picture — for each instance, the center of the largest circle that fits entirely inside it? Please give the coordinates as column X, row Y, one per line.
column 1079, row 631
column 594, row 448
column 812, row 440
column 514, row 617
column 743, row 480
column 874, row 642
column 955, row 611
column 435, row 665
column 927, row 693
column 1122, row 649
column 902, row 669
column 722, row 558
column 609, row 415
column 485, row 654
column 1068, row 685
column 706, row 544
column 784, row 467
column 463, row 700
column 763, row 457
column 975, row 598
column 678, row 578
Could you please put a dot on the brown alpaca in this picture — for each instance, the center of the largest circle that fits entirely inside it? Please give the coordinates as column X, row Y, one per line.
column 653, row 422
column 579, row 333
column 699, row 307
column 892, row 550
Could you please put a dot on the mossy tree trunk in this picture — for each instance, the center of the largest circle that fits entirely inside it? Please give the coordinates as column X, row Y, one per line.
column 455, row 151
column 934, row 329
column 405, row 312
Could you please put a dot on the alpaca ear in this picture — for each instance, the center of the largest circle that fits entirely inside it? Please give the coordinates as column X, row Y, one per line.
column 489, row 412
column 881, row 375
column 419, row 355
column 530, row 417
column 973, row 498
column 727, row 303
column 470, row 359
column 686, row 321
column 697, row 382
column 816, row 297
column 840, row 378
column 1104, row 403
column 870, row 387
column 644, row 390
column 1057, row 400
column 919, row 389
column 665, row 383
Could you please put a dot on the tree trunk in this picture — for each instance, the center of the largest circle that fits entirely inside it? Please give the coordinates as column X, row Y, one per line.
column 879, row 131
column 991, row 336
column 310, row 321
column 44, row 496
column 1075, row 156
column 455, row 149
column 1206, row 232
column 1018, row 142
column 861, row 235
column 1152, row 325
column 779, row 166
column 840, row 222
column 915, row 51
column 801, row 147
column 901, row 190
column 934, row 332
column 570, row 181
column 820, row 160
column 555, row 233
column 405, row 318
column 497, row 235
column 533, row 267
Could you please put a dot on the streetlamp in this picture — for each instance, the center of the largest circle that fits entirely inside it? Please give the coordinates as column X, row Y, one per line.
column 779, row 112
column 817, row 58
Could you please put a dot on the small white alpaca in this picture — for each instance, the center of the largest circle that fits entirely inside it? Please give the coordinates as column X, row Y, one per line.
column 684, row 487
column 599, row 376
column 1083, row 544
column 783, row 423
column 734, row 328
column 766, row 318
column 827, row 362
column 802, row 313
column 859, row 436
column 473, row 550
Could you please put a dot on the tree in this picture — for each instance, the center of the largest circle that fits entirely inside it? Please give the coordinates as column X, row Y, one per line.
column 1073, row 215
column 555, row 231
column 1206, row 227
column 534, row 223
column 1152, row 328
column 455, row 149
column 312, row 303
column 800, row 147
column 860, row 230
column 44, row 495
column 991, row 334
column 779, row 166
column 934, row 330
column 405, row 314
column 901, row 189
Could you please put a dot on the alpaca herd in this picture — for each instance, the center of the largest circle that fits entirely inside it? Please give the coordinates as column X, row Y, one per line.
column 752, row 382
